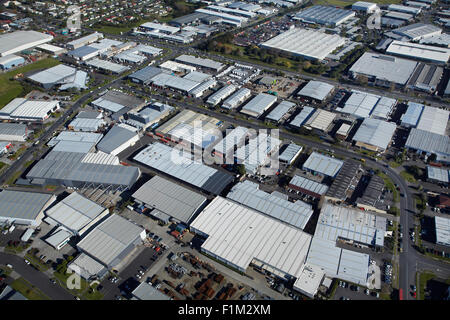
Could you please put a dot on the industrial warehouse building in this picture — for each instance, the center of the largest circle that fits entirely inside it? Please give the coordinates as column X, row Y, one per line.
column 240, row 236
column 24, row 208
column 309, row 44
column 75, row 44
column 290, row 153
column 145, row 75
column 21, row 109
column 194, row 129
column 442, row 230
column 374, row 134
column 73, row 216
column 80, row 168
column 418, row 31
column 383, row 68
column 161, row 157
column 316, row 90
column 279, row 113
column 321, row 164
column 146, row 291
column 107, row 66
column 13, row 42
column 86, row 125
column 119, row 137
column 221, row 94
column 13, row 131
column 275, row 205
column 438, row 175
column 335, row 223
column 345, row 182
column 365, row 7
column 11, row 61
column 169, row 200
column 65, row 76
column 426, row 78
column 235, row 137
column 325, row 15
column 321, row 121
column 150, row 115
column 371, row 198
column 117, row 103
column 258, row 153
column 429, row 143
column 425, row 118
column 111, row 242
column 75, row 213
column 364, row 105
column 258, row 105
column 236, row 98
column 419, row 52
column 200, row 62
column 308, row 187
column 302, row 117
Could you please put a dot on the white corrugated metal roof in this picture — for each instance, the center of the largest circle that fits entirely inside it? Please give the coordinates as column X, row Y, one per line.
column 442, row 230
column 239, row 235
column 375, row 132
column 309, row 185
column 247, row 193
column 110, row 238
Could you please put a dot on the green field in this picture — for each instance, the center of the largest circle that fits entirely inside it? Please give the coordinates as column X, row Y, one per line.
column 422, row 280
column 28, row 290
column 10, row 89
column 408, row 176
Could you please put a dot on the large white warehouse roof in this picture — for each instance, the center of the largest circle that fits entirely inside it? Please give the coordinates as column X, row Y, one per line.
column 17, row 41
column 306, row 43
column 239, row 235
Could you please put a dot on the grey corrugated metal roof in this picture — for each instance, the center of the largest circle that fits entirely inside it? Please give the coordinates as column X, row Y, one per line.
column 290, row 152
column 248, row 193
column 74, row 146
column 115, row 137
column 316, row 89
column 170, row 198
column 206, row 63
column 375, row 132
column 110, row 239
column 13, row 129
column 429, row 142
column 280, row 110
column 146, row 74
column 259, row 104
column 82, row 51
column 309, row 185
column 438, row 174
column 75, row 212
column 22, row 205
column 412, row 114
column 442, row 230
column 164, row 159
column 301, row 118
column 325, row 165
column 146, row 291
column 72, row 170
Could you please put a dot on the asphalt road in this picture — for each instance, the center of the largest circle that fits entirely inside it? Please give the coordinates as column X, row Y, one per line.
column 36, row 278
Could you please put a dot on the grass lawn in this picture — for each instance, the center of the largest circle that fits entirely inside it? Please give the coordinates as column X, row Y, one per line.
column 389, row 185
column 92, row 293
column 28, row 290
column 10, row 89
column 394, row 164
column 84, row 292
column 14, row 177
column 36, row 262
column 422, row 279
column 2, row 164
column 408, row 176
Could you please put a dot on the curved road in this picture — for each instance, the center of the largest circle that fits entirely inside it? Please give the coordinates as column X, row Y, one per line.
column 35, row 277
